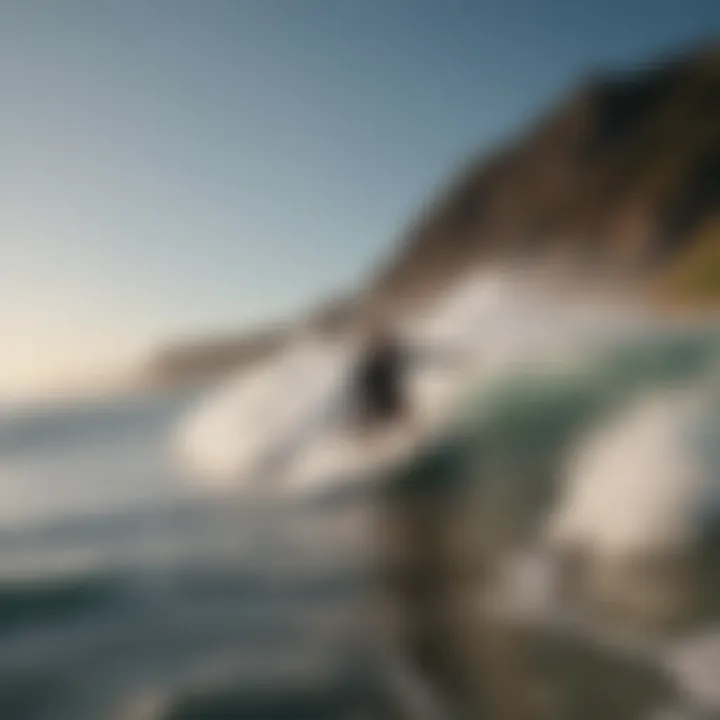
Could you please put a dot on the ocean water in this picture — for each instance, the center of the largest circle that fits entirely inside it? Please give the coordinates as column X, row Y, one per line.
column 549, row 551
column 555, row 555
column 125, row 593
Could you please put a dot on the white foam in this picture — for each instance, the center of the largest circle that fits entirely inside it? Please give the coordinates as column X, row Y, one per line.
column 641, row 484
column 236, row 426
column 695, row 663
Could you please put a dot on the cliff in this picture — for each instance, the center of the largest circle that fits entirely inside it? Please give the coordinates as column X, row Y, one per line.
column 623, row 175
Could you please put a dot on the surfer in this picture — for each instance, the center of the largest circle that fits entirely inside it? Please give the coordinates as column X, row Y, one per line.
column 379, row 387
column 380, row 395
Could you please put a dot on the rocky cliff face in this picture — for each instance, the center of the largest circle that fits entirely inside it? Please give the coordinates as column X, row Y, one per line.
column 624, row 175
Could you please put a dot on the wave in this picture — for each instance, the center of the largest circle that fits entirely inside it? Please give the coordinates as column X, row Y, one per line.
column 28, row 602
column 647, row 482
column 618, row 453
column 292, row 406
column 41, row 428
column 302, row 703
column 236, row 426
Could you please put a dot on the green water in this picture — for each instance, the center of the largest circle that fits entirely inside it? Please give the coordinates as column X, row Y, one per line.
column 483, row 492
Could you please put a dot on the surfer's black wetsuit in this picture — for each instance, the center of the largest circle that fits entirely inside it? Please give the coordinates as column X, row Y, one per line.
column 379, row 382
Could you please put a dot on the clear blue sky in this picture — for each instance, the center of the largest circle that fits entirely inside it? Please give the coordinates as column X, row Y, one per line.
column 179, row 166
